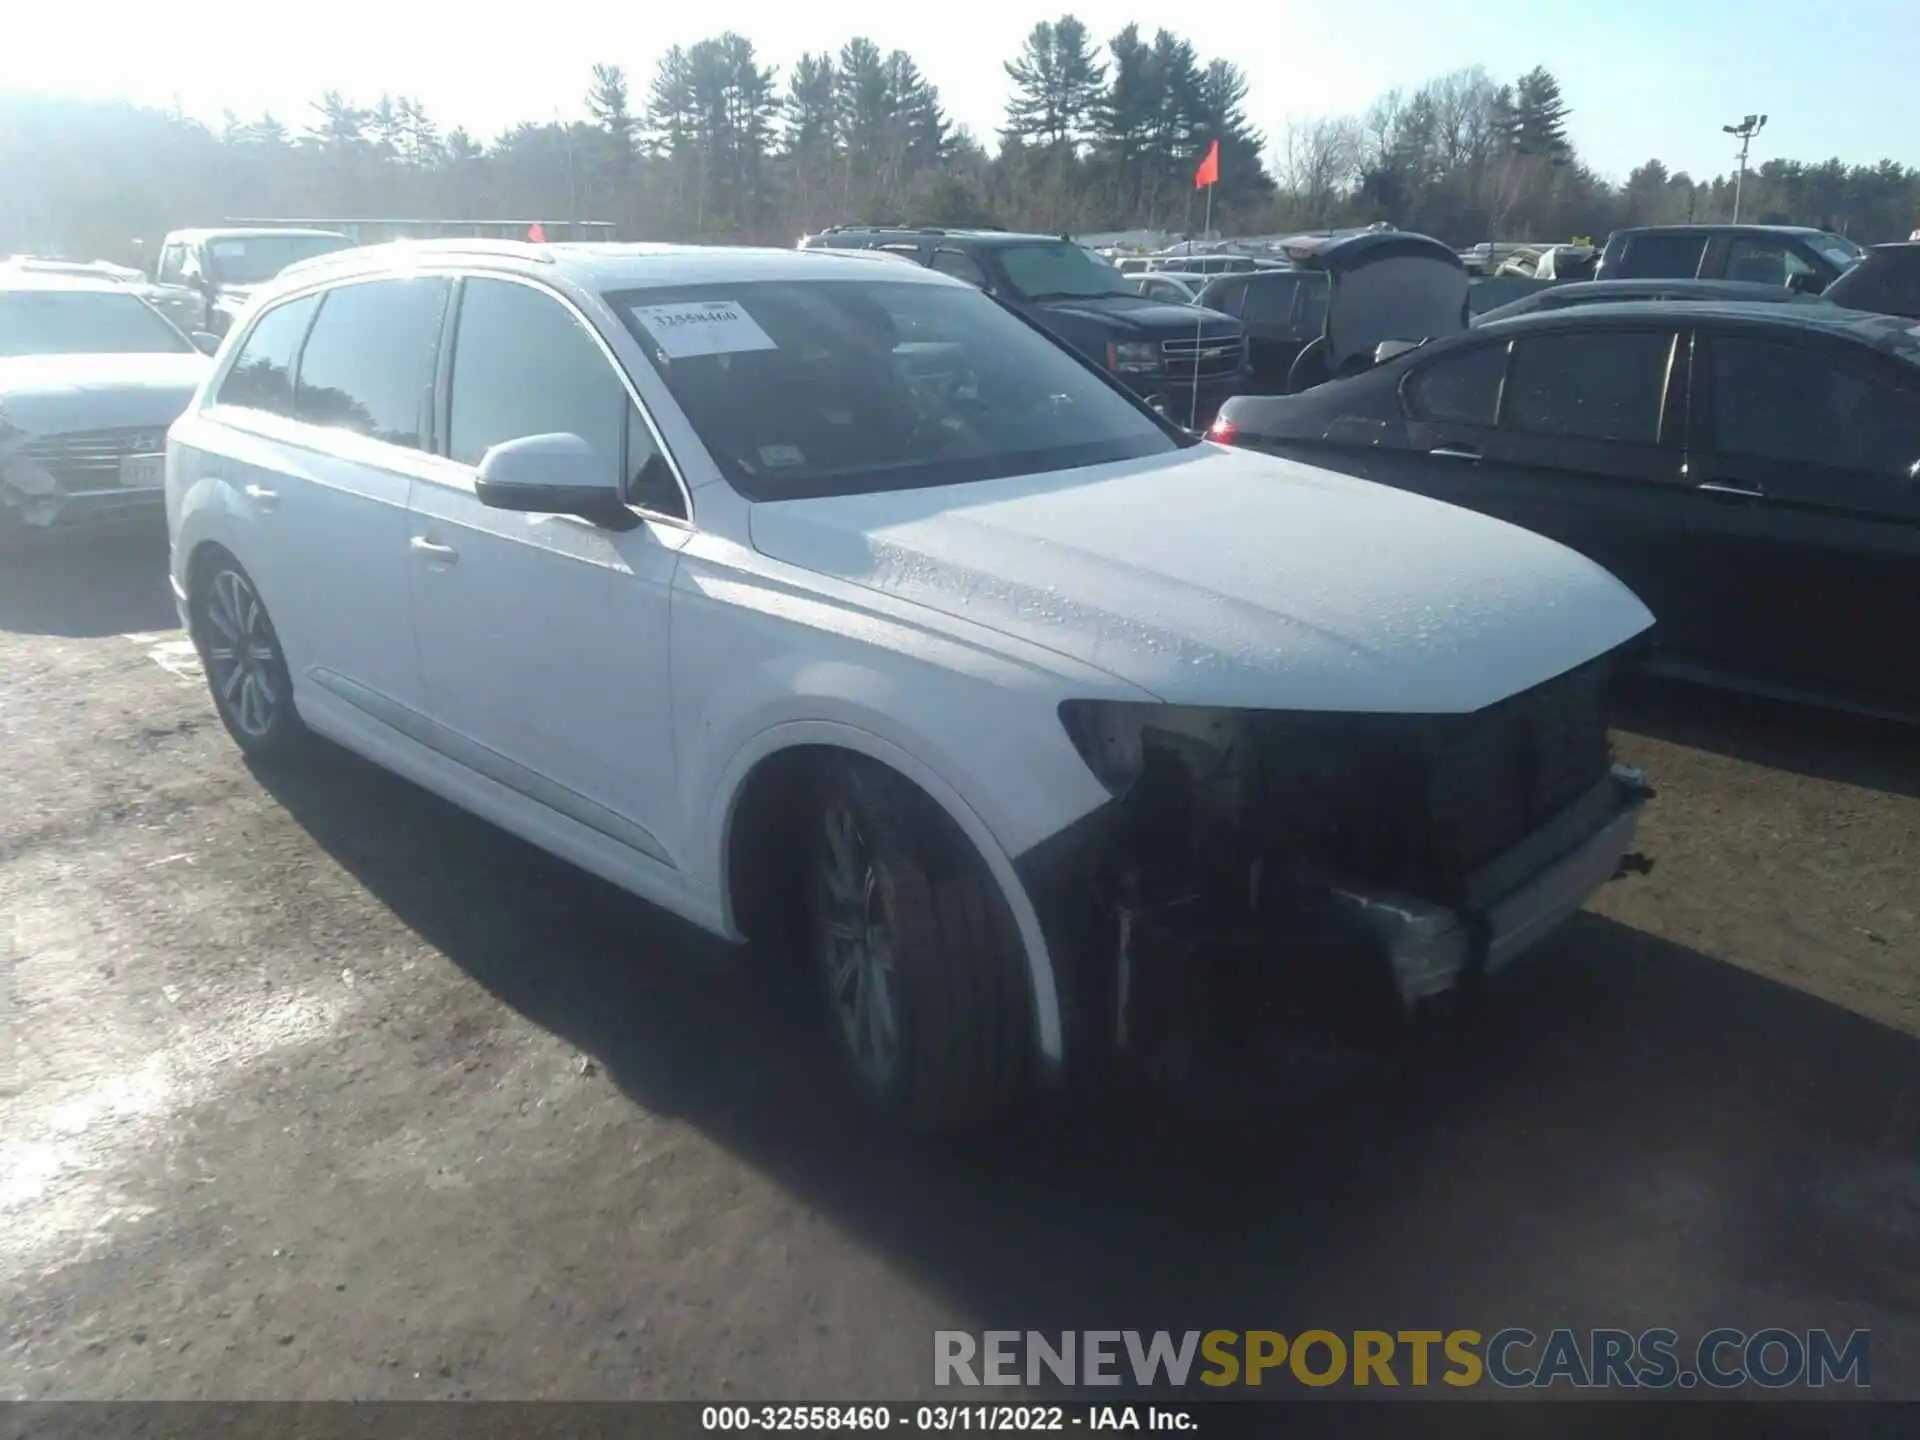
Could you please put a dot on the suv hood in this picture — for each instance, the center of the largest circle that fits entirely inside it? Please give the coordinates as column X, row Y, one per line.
column 1142, row 316
column 1224, row 577
column 47, row 394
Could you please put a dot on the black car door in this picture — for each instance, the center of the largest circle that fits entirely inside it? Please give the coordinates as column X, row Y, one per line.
column 1816, row 438
column 1273, row 338
column 1586, row 446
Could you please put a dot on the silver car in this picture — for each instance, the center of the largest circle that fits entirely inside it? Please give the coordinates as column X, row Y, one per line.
column 91, row 376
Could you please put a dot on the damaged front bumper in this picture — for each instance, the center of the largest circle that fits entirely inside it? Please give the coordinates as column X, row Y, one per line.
column 1357, row 873
column 1433, row 949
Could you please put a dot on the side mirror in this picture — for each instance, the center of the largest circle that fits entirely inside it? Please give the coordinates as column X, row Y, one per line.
column 205, row 341
column 552, row 475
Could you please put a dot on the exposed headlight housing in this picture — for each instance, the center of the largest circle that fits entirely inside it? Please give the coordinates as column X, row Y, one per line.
column 1133, row 357
column 1110, row 735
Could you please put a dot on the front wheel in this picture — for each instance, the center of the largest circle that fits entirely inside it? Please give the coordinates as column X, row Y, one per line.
column 916, row 951
column 246, row 669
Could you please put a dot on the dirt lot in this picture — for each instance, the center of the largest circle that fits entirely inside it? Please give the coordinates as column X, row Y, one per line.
column 330, row 1091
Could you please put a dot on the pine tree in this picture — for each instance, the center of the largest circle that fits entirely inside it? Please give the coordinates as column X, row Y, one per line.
column 1222, row 102
column 609, row 102
column 1057, row 81
column 1539, row 115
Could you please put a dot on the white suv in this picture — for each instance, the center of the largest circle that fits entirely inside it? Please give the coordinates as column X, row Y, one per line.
column 831, row 604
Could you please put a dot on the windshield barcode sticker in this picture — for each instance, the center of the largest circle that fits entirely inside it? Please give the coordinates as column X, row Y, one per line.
column 704, row 327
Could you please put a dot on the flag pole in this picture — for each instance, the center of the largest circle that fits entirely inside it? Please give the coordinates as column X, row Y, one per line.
column 1199, row 321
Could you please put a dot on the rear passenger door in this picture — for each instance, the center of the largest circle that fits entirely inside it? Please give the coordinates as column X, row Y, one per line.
column 1816, row 440
column 323, row 459
column 1586, row 449
column 544, row 638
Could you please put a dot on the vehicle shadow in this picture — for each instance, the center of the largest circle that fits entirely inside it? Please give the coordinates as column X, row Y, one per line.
column 82, row 586
column 1831, row 745
column 1633, row 1130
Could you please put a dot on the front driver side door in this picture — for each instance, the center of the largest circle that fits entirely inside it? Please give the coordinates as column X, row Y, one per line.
column 543, row 638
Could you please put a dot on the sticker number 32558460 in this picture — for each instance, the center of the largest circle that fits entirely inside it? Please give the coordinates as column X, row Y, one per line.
column 703, row 327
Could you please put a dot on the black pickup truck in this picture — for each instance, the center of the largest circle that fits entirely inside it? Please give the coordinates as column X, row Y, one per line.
column 1189, row 360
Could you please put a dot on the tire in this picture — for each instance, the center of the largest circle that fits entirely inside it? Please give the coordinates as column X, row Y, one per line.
column 251, row 687
column 901, row 907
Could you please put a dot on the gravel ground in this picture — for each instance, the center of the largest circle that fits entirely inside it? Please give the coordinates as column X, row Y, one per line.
column 318, row 1088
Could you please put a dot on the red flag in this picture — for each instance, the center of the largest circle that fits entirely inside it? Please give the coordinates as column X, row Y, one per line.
column 1209, row 171
column 536, row 234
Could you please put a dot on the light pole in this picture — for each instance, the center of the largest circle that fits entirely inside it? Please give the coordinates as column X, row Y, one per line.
column 1744, row 132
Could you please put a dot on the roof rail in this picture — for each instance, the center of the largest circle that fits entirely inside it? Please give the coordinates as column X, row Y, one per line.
column 453, row 245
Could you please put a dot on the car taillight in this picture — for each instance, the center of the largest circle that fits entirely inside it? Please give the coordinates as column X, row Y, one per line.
column 1223, row 431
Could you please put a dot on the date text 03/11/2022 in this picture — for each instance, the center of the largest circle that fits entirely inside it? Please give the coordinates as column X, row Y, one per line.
column 998, row 1419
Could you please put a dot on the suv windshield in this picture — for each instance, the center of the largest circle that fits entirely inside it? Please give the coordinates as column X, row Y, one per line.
column 830, row 387
column 252, row 259
column 82, row 322
column 1841, row 251
column 1058, row 270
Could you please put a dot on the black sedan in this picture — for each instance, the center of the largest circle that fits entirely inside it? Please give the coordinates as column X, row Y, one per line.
column 1609, row 292
column 1752, row 471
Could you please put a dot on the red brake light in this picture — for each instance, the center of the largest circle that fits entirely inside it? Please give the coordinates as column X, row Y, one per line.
column 1223, row 431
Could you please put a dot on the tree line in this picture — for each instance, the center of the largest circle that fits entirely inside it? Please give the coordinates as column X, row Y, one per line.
column 717, row 145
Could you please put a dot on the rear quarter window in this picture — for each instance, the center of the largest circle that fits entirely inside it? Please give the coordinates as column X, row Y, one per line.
column 261, row 376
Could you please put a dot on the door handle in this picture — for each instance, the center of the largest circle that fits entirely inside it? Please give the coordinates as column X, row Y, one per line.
column 1722, row 487
column 263, row 497
column 1454, row 452
column 445, row 554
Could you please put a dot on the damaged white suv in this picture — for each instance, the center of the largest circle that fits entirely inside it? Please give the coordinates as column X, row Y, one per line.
column 831, row 604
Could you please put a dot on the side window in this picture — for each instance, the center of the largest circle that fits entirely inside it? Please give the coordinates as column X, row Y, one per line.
column 190, row 268
column 1760, row 262
column 1662, row 257
column 172, row 269
column 1787, row 403
column 523, row 365
column 262, row 374
column 1270, row 299
column 960, row 265
column 1459, row 389
column 1226, row 296
column 368, row 365
column 1590, row 385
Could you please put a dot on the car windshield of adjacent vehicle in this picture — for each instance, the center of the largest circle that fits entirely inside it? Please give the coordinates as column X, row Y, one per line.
column 253, row 259
column 829, row 387
column 1058, row 270
column 82, row 322
column 1837, row 248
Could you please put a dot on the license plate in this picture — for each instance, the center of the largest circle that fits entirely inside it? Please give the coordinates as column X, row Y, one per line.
column 143, row 472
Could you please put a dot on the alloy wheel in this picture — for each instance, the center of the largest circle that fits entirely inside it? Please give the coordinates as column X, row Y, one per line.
column 242, row 654
column 856, row 938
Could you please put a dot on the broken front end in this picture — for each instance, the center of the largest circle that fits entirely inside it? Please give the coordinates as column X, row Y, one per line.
column 1353, row 871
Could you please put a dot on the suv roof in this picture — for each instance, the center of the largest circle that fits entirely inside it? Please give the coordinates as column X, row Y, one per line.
column 246, row 232
column 598, row 266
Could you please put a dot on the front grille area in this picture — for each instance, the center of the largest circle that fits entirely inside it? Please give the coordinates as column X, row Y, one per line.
column 1502, row 773
column 90, row 459
column 1421, row 802
column 1184, row 359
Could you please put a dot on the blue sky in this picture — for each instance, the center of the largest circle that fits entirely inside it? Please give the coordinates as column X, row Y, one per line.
column 1642, row 78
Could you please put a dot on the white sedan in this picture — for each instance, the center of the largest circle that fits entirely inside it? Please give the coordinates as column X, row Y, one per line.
column 832, row 605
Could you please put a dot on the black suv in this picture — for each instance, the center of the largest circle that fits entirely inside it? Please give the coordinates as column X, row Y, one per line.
column 1805, row 259
column 1186, row 358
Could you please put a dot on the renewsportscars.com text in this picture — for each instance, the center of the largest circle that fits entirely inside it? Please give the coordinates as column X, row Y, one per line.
column 1513, row 1358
